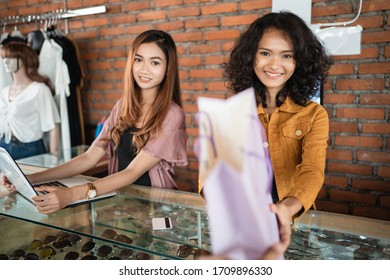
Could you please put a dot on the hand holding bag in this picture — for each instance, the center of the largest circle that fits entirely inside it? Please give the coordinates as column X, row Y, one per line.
column 237, row 174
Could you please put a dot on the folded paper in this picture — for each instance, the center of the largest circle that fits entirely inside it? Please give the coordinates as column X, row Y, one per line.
column 237, row 176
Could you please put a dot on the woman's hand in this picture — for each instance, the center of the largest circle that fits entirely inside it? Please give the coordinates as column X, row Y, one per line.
column 285, row 210
column 284, row 222
column 55, row 199
column 7, row 184
column 277, row 250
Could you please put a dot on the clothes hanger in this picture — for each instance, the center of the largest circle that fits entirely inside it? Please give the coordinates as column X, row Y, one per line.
column 5, row 34
column 51, row 31
column 35, row 39
column 58, row 31
column 16, row 32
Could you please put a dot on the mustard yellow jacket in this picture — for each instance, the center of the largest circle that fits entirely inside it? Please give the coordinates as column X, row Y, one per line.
column 297, row 138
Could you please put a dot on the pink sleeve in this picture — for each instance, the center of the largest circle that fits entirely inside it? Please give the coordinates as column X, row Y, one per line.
column 170, row 144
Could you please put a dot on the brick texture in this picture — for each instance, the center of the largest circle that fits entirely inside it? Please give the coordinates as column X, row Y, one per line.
column 356, row 95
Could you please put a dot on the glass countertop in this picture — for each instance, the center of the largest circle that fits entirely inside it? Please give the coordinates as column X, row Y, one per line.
column 315, row 235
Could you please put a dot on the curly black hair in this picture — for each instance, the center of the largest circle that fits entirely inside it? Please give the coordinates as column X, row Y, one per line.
column 312, row 61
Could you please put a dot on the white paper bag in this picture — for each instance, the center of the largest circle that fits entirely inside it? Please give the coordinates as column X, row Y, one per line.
column 237, row 176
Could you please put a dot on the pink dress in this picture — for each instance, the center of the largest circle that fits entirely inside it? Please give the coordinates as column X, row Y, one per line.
column 169, row 146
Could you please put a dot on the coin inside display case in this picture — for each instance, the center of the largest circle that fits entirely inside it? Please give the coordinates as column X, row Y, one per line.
column 61, row 245
column 122, row 228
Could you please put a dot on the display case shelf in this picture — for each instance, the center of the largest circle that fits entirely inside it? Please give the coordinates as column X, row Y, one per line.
column 129, row 215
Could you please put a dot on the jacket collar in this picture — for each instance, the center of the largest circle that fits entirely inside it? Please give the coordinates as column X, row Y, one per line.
column 288, row 106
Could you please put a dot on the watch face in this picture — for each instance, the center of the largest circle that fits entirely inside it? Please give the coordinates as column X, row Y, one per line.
column 92, row 193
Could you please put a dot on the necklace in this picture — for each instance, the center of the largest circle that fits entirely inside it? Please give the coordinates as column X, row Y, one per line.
column 15, row 91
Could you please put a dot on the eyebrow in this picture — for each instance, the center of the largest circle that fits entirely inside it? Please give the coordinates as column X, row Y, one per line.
column 153, row 57
column 286, row 51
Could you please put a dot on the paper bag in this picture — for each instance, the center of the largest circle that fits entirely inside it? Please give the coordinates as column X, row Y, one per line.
column 237, row 176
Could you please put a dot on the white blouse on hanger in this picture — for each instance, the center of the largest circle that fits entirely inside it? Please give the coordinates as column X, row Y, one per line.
column 52, row 65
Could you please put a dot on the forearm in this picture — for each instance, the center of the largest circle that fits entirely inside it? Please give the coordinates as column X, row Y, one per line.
column 116, row 181
column 141, row 164
column 75, row 166
column 108, row 184
column 292, row 206
column 68, row 169
column 54, row 141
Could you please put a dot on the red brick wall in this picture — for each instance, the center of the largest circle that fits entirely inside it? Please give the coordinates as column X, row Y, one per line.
column 356, row 96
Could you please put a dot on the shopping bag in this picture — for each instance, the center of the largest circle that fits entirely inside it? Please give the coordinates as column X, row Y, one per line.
column 236, row 174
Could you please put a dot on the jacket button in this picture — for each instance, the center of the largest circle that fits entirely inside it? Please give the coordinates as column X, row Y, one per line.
column 265, row 144
column 298, row 132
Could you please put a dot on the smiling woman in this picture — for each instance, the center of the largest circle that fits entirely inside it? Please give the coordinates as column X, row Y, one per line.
column 144, row 137
column 280, row 57
column 274, row 64
column 149, row 68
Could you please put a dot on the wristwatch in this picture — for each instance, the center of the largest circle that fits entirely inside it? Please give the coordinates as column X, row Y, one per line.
column 91, row 193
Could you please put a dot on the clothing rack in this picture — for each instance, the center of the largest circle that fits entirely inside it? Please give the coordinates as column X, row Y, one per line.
column 55, row 15
column 50, row 19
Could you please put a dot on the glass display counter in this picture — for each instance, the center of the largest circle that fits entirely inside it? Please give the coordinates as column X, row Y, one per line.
column 331, row 236
column 121, row 228
column 114, row 228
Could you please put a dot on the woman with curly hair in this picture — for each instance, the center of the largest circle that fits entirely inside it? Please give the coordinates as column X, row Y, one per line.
column 280, row 57
column 144, row 136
